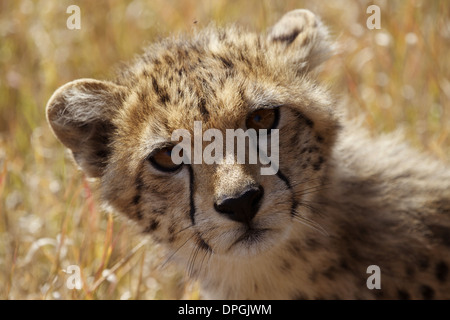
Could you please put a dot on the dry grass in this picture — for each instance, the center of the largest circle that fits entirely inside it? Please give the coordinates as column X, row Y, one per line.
column 396, row 77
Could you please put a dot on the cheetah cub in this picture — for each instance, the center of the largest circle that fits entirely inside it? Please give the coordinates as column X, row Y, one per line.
column 339, row 202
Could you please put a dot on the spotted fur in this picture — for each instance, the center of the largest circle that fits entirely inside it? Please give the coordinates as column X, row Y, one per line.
column 340, row 202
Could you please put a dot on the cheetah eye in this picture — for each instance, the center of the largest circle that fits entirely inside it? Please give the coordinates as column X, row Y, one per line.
column 263, row 119
column 162, row 160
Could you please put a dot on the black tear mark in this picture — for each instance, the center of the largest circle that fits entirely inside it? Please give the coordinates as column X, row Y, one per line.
column 289, row 186
column 285, row 180
column 191, row 195
column 137, row 198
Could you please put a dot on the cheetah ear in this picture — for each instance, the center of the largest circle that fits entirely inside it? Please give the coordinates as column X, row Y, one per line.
column 303, row 38
column 80, row 114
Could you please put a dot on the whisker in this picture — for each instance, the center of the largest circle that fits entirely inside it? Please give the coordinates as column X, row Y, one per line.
column 297, row 183
column 171, row 256
column 209, row 257
column 309, row 206
column 312, row 224
column 190, row 261
column 190, row 226
column 302, row 193
column 316, row 186
column 316, row 202
column 314, row 206
column 207, row 252
column 192, row 258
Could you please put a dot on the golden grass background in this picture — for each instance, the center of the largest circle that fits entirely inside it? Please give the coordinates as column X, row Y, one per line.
column 50, row 217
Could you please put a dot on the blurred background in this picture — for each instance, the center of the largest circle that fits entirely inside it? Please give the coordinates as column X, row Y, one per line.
column 397, row 77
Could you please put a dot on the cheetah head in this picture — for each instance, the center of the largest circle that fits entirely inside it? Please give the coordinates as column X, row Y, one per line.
column 121, row 133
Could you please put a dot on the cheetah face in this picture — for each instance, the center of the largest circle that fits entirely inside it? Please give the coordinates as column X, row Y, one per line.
column 121, row 132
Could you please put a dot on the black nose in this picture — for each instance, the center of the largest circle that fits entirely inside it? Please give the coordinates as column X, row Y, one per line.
column 242, row 207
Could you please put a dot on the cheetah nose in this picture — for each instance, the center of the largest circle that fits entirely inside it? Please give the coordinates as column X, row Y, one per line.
column 242, row 207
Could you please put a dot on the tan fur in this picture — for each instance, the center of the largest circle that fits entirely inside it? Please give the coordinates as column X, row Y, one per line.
column 341, row 201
